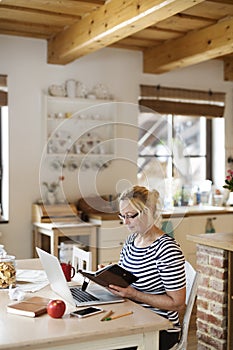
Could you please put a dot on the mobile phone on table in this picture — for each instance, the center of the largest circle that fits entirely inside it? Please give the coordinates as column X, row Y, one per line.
column 88, row 311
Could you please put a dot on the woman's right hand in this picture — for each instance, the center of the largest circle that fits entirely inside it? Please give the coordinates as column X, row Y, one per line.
column 101, row 266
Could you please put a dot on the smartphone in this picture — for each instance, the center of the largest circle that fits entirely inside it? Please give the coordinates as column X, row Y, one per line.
column 89, row 311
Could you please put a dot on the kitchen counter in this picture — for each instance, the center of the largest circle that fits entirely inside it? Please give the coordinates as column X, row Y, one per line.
column 196, row 210
column 175, row 212
column 216, row 240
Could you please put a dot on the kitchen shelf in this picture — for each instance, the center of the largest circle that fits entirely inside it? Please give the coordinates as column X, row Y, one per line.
column 85, row 126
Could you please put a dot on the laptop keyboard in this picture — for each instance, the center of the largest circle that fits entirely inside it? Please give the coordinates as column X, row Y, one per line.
column 81, row 295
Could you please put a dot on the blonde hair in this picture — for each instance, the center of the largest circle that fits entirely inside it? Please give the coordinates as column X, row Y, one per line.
column 142, row 199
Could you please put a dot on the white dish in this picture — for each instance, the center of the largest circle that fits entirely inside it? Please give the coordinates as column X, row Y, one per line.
column 57, row 90
column 101, row 91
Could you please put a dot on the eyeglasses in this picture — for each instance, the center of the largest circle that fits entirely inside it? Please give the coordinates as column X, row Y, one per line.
column 126, row 216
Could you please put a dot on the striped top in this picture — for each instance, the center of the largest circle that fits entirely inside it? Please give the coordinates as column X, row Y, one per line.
column 159, row 267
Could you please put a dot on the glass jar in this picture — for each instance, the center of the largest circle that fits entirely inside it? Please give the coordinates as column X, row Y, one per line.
column 2, row 250
column 7, row 271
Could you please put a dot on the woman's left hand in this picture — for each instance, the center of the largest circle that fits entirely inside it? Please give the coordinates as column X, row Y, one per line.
column 171, row 300
column 128, row 292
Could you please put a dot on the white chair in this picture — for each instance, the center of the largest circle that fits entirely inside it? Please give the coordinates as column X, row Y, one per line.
column 192, row 280
column 81, row 259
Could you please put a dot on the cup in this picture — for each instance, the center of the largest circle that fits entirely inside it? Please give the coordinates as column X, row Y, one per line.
column 218, row 200
column 205, row 196
column 68, row 270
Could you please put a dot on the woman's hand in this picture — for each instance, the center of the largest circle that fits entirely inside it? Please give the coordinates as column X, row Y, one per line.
column 101, row 266
column 128, row 292
column 172, row 300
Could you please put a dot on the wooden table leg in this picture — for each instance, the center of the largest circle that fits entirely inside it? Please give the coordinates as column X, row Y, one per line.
column 93, row 247
column 37, row 241
column 151, row 341
column 54, row 241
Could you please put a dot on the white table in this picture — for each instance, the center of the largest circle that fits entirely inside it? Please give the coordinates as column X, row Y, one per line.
column 57, row 230
column 19, row 332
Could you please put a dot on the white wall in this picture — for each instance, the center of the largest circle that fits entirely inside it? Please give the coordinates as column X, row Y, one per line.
column 24, row 61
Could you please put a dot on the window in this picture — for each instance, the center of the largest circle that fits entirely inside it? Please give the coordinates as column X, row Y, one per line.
column 175, row 149
column 173, row 138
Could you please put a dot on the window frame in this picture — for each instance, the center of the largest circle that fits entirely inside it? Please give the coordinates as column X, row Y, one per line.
column 4, row 151
column 208, row 156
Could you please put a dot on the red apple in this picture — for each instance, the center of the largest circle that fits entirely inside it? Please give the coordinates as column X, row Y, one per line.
column 56, row 308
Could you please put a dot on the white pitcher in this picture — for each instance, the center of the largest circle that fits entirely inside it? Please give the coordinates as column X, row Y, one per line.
column 71, row 88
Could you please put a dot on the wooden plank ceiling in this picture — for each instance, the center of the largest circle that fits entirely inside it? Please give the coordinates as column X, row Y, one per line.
column 171, row 34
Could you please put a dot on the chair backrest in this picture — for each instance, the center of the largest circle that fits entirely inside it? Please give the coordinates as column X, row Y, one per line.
column 192, row 281
column 190, row 277
column 81, row 259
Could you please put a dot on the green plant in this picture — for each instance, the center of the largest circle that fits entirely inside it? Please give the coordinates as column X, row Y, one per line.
column 229, row 180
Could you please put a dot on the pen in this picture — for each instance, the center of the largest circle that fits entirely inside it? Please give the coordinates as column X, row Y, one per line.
column 109, row 313
column 118, row 316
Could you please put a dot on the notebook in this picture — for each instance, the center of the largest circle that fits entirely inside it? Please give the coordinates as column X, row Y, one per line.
column 94, row 295
column 111, row 274
column 32, row 307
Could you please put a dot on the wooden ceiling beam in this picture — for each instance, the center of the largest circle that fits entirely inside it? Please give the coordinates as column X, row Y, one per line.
column 228, row 67
column 194, row 47
column 71, row 7
column 115, row 20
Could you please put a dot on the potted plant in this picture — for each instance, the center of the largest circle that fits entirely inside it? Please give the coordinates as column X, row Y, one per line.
column 229, row 185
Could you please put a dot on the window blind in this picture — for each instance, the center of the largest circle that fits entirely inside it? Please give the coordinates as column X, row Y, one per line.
column 166, row 100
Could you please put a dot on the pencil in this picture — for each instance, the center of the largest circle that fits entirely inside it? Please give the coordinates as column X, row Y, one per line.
column 109, row 313
column 118, row 316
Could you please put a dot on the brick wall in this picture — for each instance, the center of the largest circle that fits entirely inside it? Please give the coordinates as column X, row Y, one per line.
column 212, row 298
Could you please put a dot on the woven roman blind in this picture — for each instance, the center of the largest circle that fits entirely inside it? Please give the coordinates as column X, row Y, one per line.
column 166, row 100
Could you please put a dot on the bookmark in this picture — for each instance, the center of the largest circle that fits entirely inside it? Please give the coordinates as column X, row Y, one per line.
column 85, row 284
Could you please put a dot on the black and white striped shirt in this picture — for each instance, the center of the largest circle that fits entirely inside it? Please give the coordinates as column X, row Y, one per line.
column 159, row 267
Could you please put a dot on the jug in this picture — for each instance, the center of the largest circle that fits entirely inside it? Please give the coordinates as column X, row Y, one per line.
column 71, row 88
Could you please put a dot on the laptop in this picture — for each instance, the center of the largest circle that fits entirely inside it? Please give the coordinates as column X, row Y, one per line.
column 93, row 295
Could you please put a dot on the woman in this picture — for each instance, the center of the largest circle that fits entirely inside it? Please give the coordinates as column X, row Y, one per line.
column 155, row 258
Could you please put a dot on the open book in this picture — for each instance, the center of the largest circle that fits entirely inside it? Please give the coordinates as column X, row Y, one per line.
column 111, row 274
column 32, row 307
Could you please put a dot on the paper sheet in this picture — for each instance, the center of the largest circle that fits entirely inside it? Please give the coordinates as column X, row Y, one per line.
column 31, row 280
column 31, row 287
